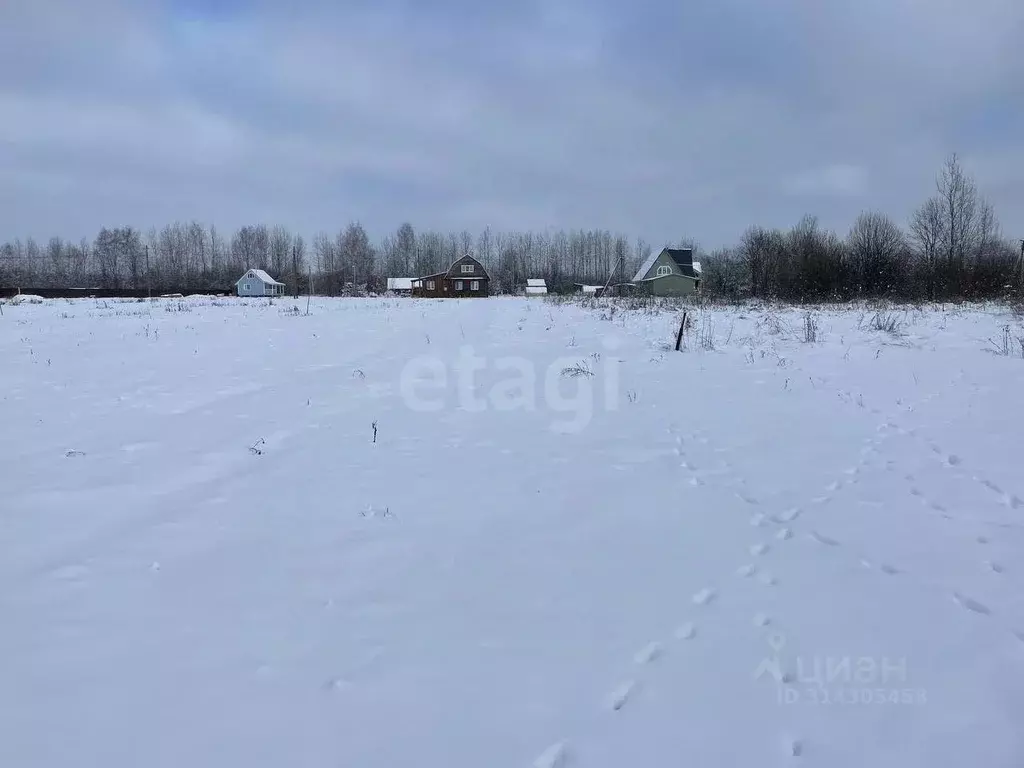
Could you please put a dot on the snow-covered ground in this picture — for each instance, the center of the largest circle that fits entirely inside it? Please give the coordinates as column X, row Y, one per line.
column 569, row 544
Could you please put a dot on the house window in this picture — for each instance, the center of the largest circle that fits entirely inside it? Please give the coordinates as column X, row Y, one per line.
column 467, row 269
column 430, row 285
column 664, row 270
column 474, row 285
column 458, row 285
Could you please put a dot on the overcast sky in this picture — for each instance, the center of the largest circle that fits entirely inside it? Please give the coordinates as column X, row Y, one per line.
column 656, row 118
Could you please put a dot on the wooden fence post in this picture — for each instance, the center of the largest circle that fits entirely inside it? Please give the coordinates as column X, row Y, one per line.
column 679, row 336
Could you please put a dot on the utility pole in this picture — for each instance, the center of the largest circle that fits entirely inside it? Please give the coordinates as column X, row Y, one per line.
column 1020, row 265
column 309, row 296
column 149, row 280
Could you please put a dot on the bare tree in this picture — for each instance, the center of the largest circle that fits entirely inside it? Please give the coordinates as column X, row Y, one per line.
column 927, row 228
column 877, row 251
column 298, row 263
column 55, row 257
column 957, row 196
column 250, row 247
column 108, row 257
column 280, row 247
column 405, row 248
column 357, row 254
column 758, row 251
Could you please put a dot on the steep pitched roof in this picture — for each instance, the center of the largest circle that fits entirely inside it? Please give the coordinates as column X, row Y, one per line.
column 683, row 258
column 646, row 266
column 260, row 275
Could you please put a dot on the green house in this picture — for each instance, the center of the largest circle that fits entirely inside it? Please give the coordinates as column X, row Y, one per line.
column 669, row 273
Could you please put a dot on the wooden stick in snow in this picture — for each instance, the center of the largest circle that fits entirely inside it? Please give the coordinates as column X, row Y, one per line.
column 679, row 336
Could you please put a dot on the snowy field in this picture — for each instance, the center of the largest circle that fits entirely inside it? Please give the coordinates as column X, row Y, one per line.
column 569, row 545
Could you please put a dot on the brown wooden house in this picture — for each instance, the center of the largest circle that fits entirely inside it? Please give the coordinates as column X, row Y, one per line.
column 466, row 277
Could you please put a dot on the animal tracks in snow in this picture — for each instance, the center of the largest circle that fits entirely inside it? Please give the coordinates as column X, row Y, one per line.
column 971, row 604
column 883, row 567
column 685, row 631
column 649, row 653
column 788, row 516
column 954, row 461
column 555, row 756
column 704, row 597
column 787, row 523
column 618, row 698
column 822, row 539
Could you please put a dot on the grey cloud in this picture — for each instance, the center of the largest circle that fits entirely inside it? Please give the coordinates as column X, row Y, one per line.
column 549, row 115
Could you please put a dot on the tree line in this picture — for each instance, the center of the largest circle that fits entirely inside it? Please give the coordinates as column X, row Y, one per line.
column 952, row 247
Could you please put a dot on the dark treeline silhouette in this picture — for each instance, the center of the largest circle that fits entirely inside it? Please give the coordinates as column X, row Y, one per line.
column 952, row 248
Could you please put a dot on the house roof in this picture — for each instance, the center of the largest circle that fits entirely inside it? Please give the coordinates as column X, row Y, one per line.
column 467, row 257
column 683, row 257
column 646, row 266
column 535, row 282
column 260, row 275
column 435, row 276
column 482, row 275
column 399, row 283
column 696, row 267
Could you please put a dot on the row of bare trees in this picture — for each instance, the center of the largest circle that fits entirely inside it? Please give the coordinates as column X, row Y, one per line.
column 191, row 256
column 952, row 248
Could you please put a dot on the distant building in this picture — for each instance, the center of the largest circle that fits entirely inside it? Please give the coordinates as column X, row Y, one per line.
column 256, row 282
column 535, row 286
column 400, row 285
column 465, row 277
column 669, row 273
